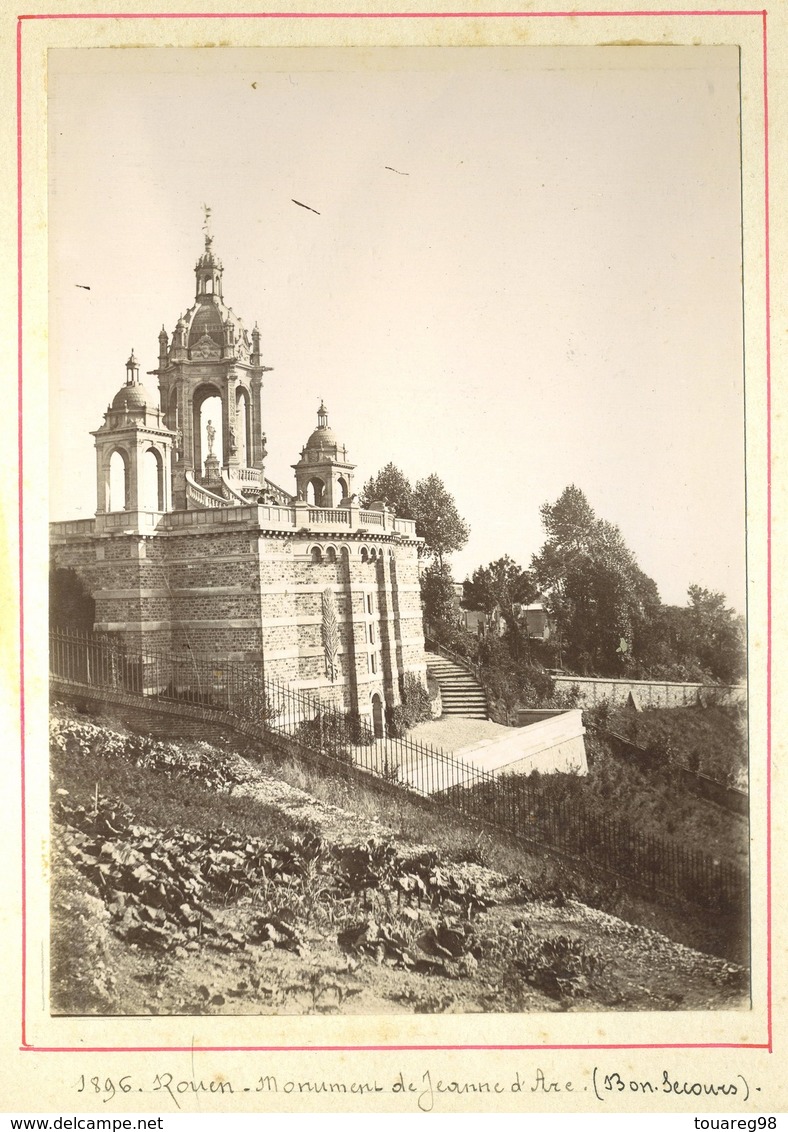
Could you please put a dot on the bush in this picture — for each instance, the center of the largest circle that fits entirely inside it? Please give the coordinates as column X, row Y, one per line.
column 334, row 734
column 511, row 683
column 415, row 707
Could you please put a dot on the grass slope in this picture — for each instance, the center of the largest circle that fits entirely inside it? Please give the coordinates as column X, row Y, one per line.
column 257, row 894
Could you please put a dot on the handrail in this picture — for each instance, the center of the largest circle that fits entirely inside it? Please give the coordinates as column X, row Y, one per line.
column 198, row 494
column 463, row 661
column 278, row 494
column 248, row 475
column 231, row 492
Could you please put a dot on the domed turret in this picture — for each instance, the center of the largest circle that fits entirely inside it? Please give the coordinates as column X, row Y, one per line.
column 323, row 474
column 136, row 441
column 324, row 438
column 133, row 395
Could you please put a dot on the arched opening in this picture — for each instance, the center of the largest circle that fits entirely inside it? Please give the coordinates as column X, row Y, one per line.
column 207, row 426
column 377, row 717
column 331, row 554
column 315, row 491
column 316, row 555
column 243, row 430
column 152, row 497
column 343, row 488
column 364, row 554
column 118, row 482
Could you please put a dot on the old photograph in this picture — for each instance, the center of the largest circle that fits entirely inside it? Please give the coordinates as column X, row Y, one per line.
column 397, row 550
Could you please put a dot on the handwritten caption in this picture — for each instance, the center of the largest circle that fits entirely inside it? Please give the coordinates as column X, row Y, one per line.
column 424, row 1091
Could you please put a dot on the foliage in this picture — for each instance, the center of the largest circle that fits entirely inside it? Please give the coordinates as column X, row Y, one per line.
column 392, row 487
column 714, row 634
column 595, row 592
column 438, row 598
column 416, row 699
column 70, row 603
column 505, row 586
column 559, row 966
column 503, row 583
column 438, row 521
column 335, row 733
column 608, row 615
column 414, row 708
column 173, row 760
column 159, row 886
column 706, row 740
column 509, row 681
column 434, row 509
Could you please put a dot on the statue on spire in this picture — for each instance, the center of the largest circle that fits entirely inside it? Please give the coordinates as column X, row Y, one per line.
column 206, row 227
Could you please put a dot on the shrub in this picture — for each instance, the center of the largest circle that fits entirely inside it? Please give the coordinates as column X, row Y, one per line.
column 334, row 734
column 415, row 707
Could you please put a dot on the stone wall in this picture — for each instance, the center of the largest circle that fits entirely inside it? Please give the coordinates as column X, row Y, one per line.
column 650, row 693
column 548, row 741
column 236, row 590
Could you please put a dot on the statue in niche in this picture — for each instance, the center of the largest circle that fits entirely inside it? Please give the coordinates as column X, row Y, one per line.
column 233, row 446
column 210, row 432
column 263, row 449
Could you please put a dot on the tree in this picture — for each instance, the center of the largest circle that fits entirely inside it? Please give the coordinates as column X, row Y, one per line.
column 503, row 583
column 595, row 592
column 70, row 603
column 715, row 634
column 438, row 521
column 438, row 599
column 392, row 487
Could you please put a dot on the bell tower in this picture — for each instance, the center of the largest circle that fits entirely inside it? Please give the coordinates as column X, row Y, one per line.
column 211, row 367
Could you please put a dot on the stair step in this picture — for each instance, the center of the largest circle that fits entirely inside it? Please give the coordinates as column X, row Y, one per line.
column 467, row 714
column 461, row 693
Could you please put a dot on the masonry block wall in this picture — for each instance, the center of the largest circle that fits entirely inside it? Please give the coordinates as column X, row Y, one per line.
column 238, row 591
column 649, row 693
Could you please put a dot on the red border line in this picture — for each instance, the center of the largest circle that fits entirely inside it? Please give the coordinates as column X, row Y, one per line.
column 380, row 15
column 20, row 506
column 368, row 1049
column 25, row 1046
column 768, row 544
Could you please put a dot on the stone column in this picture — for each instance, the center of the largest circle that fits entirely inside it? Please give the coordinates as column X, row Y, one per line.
column 388, row 644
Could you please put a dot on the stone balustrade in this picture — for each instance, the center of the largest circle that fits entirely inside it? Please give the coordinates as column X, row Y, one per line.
column 247, row 475
column 211, row 508
column 333, row 517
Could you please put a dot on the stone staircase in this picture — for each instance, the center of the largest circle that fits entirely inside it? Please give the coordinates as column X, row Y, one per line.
column 461, row 693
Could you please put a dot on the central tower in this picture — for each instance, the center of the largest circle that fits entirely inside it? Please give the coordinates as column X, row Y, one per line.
column 211, row 355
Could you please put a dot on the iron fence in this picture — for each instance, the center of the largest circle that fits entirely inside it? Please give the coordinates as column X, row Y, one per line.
column 514, row 803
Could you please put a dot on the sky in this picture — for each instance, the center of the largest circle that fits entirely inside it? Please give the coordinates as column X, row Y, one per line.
column 523, row 271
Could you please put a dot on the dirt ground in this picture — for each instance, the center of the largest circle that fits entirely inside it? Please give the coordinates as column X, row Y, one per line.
column 427, row 936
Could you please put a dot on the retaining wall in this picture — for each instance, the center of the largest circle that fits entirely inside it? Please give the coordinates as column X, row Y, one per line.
column 548, row 741
column 650, row 693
